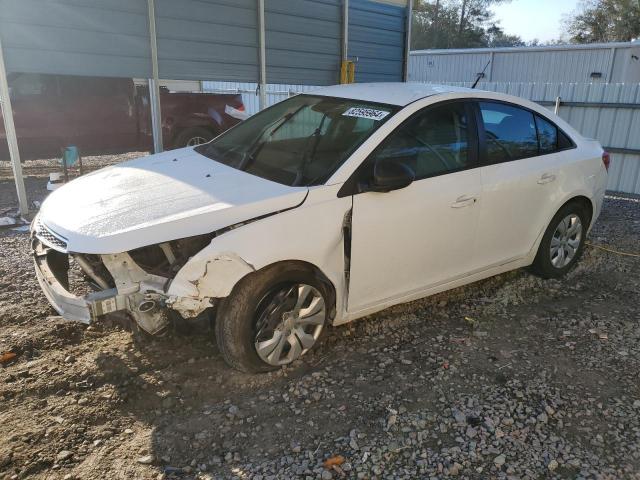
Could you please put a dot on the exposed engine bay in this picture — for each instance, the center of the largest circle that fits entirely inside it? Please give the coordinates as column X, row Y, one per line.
column 136, row 282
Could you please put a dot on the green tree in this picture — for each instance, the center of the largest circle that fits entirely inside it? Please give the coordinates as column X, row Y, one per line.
column 605, row 21
column 496, row 37
column 457, row 24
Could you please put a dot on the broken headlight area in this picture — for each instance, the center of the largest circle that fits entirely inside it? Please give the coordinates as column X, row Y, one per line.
column 165, row 259
column 84, row 287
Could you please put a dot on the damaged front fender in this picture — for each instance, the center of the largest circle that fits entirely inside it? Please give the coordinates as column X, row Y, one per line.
column 203, row 279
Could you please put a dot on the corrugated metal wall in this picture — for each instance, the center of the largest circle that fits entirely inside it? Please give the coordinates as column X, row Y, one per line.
column 551, row 66
column 204, row 39
column 77, row 37
column 303, row 41
column 207, row 39
column 197, row 39
column 377, row 40
column 438, row 68
column 613, row 127
column 614, row 62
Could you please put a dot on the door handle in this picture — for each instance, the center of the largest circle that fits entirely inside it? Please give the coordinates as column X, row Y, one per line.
column 546, row 178
column 464, row 201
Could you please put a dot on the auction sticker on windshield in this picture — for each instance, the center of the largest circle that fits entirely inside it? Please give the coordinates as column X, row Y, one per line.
column 362, row 112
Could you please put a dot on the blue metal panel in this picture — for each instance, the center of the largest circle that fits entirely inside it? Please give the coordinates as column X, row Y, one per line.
column 207, row 39
column 203, row 39
column 91, row 37
column 303, row 41
column 377, row 40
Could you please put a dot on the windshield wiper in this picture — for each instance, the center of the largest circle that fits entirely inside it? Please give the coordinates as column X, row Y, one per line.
column 259, row 142
column 307, row 158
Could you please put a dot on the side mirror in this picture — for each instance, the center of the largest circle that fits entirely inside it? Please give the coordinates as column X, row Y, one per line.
column 390, row 175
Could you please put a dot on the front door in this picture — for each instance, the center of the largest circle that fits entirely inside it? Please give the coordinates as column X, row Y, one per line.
column 423, row 235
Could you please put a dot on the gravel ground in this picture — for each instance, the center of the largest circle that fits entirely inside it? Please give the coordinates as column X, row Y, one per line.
column 513, row 377
column 43, row 167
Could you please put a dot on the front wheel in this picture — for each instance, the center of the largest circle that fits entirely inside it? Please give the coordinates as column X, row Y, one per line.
column 562, row 243
column 272, row 318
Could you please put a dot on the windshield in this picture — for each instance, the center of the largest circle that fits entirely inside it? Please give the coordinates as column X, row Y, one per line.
column 300, row 141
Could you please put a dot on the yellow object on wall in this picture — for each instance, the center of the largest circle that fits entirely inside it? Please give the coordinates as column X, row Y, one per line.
column 348, row 71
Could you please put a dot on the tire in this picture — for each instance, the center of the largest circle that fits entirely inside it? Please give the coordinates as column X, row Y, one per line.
column 548, row 265
column 237, row 321
column 188, row 136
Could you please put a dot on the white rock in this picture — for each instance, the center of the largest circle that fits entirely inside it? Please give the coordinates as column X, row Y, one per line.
column 63, row 455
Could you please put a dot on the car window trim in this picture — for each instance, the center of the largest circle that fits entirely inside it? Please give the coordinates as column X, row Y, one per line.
column 483, row 155
column 350, row 187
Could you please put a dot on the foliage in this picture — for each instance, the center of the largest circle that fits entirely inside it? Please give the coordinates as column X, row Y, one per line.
column 458, row 24
column 605, row 21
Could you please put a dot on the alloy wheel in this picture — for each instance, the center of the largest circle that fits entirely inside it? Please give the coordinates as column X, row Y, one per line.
column 193, row 141
column 290, row 320
column 566, row 241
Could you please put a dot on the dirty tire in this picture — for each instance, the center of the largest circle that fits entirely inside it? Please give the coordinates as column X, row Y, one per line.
column 542, row 265
column 188, row 134
column 236, row 317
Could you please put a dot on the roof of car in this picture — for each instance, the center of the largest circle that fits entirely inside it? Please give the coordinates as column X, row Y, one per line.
column 394, row 93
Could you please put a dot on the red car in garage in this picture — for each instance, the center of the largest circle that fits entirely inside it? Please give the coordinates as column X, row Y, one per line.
column 109, row 115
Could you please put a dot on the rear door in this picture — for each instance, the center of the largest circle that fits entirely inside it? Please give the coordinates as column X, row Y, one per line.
column 407, row 240
column 522, row 156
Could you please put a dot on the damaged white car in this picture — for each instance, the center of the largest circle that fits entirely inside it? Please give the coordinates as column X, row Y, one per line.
column 322, row 209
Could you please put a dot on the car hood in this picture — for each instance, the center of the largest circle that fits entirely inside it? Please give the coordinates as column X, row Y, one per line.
column 158, row 198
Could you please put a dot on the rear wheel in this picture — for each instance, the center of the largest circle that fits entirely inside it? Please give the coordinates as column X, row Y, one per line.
column 272, row 318
column 563, row 242
column 190, row 137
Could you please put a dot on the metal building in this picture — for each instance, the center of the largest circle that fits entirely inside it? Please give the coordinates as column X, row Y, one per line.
column 301, row 42
column 592, row 63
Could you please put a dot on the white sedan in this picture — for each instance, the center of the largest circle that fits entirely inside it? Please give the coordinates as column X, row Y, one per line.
column 320, row 210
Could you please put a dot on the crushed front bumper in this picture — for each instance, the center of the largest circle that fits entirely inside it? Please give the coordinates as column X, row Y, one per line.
column 51, row 270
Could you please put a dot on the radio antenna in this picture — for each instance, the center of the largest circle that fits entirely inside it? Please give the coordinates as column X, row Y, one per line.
column 480, row 75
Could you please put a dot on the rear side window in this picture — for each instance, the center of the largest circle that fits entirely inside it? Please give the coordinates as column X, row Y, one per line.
column 550, row 137
column 547, row 136
column 510, row 132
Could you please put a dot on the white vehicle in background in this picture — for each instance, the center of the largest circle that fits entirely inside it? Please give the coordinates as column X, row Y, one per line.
column 320, row 210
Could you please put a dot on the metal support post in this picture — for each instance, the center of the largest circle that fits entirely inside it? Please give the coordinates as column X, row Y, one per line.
column 12, row 138
column 262, row 57
column 407, row 47
column 154, row 83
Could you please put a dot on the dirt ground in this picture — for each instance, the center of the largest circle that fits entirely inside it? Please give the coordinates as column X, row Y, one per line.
column 512, row 377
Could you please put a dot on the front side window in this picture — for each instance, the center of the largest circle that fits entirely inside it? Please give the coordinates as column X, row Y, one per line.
column 510, row 132
column 300, row 141
column 433, row 142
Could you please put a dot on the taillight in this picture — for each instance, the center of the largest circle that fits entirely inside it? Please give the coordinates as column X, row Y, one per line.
column 606, row 160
